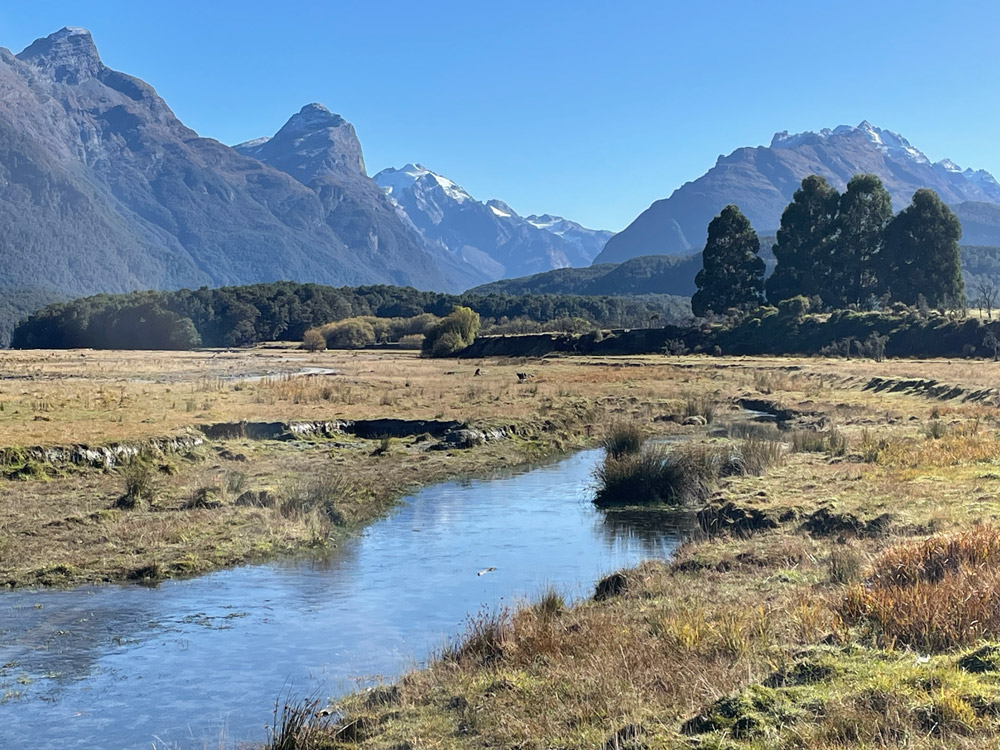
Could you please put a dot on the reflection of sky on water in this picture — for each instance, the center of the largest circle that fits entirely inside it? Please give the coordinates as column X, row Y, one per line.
column 121, row 666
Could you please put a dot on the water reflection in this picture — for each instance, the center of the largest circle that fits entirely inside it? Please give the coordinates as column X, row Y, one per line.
column 653, row 530
column 127, row 666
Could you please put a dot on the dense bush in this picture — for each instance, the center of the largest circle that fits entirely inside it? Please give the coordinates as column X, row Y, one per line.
column 284, row 311
column 454, row 333
column 353, row 333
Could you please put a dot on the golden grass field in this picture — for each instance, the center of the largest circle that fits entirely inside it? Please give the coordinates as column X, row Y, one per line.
column 861, row 612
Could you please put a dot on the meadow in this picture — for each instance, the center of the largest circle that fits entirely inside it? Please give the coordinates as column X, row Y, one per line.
column 841, row 593
column 844, row 595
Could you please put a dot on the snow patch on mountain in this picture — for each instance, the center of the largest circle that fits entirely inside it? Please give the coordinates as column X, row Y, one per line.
column 887, row 141
column 395, row 181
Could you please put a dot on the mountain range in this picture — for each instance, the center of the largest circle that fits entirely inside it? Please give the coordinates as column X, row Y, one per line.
column 104, row 189
column 761, row 181
column 489, row 237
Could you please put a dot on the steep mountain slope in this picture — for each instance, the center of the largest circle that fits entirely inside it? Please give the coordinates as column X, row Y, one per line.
column 649, row 274
column 489, row 237
column 321, row 150
column 102, row 188
column 761, row 182
column 980, row 222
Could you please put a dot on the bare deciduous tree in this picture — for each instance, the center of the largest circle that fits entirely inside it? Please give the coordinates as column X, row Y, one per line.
column 987, row 292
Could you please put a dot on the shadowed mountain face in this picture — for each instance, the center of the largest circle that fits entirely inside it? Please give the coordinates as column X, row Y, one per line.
column 488, row 237
column 103, row 189
column 762, row 180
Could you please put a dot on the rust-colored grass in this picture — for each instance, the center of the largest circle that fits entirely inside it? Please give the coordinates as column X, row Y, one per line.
column 937, row 594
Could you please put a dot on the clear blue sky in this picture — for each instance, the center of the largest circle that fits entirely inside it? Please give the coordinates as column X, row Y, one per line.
column 588, row 109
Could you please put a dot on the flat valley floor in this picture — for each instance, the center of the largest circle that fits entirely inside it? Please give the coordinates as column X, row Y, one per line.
column 845, row 595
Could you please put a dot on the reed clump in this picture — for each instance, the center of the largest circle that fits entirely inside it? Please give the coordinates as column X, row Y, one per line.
column 832, row 442
column 655, row 474
column 623, row 439
column 139, row 485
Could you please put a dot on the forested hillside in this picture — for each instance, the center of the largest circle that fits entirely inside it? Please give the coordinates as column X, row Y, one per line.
column 241, row 316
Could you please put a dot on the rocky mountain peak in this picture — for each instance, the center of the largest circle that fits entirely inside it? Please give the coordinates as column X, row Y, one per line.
column 886, row 141
column 69, row 55
column 313, row 144
column 762, row 180
column 311, row 118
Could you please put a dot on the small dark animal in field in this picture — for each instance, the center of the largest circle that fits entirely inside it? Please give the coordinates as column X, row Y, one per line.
column 522, row 376
column 484, row 571
column 477, row 373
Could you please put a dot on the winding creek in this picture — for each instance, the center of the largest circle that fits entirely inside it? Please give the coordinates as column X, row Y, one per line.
column 198, row 663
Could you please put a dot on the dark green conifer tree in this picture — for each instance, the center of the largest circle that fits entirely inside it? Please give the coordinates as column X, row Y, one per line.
column 921, row 254
column 864, row 212
column 804, row 242
column 732, row 273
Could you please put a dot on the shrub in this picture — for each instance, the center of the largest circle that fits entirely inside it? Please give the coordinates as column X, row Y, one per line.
column 139, row 485
column 622, row 438
column 454, row 333
column 352, row 333
column 794, row 307
column 411, row 341
column 313, row 340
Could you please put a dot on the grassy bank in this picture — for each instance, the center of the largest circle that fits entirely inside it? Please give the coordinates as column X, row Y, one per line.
column 231, row 501
column 845, row 597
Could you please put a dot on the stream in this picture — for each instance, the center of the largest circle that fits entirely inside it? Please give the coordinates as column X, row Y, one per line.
column 199, row 663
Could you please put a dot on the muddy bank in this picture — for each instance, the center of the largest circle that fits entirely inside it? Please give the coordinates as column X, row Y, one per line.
column 444, row 434
column 933, row 389
column 450, row 433
column 100, row 457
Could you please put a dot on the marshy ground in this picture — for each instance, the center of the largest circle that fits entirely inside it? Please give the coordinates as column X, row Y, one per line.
column 191, row 504
column 845, row 596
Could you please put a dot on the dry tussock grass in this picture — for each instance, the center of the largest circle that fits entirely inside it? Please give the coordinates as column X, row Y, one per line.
column 937, row 594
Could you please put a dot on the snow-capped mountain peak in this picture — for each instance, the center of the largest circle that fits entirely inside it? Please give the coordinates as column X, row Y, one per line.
column 887, row 141
column 501, row 209
column 396, row 181
column 489, row 235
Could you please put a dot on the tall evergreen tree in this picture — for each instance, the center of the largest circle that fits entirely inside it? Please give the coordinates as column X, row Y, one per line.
column 921, row 254
column 864, row 212
column 732, row 273
column 803, row 246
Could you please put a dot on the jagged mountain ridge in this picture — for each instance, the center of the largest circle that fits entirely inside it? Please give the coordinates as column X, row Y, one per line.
column 489, row 237
column 103, row 189
column 761, row 181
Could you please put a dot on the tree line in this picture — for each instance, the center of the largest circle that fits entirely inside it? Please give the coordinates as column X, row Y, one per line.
column 843, row 250
column 284, row 311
